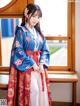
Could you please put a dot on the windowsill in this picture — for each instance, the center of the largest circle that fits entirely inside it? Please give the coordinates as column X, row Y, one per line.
column 5, row 70
column 61, row 72
column 54, row 76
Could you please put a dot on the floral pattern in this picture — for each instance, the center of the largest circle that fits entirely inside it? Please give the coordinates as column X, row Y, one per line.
column 18, row 62
column 23, row 57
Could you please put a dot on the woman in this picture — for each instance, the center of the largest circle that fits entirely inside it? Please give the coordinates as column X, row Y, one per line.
column 28, row 82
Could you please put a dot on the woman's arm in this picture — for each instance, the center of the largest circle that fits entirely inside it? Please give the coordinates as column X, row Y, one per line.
column 45, row 55
column 19, row 59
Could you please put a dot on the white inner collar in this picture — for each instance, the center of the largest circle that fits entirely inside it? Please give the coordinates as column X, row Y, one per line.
column 32, row 30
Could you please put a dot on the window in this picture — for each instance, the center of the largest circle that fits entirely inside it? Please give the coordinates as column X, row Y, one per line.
column 4, row 3
column 8, row 33
column 58, row 26
column 10, row 15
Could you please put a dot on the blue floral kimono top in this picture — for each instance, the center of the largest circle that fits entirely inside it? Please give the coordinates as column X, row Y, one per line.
column 23, row 41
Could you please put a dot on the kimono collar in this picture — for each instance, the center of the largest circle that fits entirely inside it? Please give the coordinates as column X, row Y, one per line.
column 32, row 30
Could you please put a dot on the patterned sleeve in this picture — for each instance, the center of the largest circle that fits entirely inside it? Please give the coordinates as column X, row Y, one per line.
column 45, row 55
column 19, row 59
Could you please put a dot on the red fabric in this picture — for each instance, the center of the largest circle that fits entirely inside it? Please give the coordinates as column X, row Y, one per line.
column 33, row 55
column 19, row 84
column 42, row 80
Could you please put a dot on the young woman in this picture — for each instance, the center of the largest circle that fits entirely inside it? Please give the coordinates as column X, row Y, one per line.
column 28, row 82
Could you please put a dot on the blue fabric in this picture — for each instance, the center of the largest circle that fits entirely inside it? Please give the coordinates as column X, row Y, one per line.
column 7, row 27
column 23, row 41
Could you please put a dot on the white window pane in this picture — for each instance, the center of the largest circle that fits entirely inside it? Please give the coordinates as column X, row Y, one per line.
column 54, row 19
column 4, row 3
column 58, row 52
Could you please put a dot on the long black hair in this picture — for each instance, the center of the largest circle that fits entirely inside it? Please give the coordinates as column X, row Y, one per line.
column 32, row 8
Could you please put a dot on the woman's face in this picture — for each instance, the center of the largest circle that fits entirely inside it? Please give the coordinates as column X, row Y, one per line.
column 34, row 19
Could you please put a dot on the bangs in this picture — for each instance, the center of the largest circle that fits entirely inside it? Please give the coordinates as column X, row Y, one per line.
column 37, row 13
column 34, row 10
column 38, row 10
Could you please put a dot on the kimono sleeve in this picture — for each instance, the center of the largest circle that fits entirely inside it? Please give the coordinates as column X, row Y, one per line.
column 45, row 55
column 19, row 59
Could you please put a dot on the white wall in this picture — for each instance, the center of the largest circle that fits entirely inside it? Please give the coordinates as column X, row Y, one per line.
column 77, row 48
column 62, row 92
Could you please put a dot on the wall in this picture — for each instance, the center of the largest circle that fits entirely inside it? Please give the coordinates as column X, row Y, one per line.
column 77, row 48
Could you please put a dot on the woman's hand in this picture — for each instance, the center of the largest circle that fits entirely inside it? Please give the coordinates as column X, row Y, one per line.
column 35, row 67
column 41, row 68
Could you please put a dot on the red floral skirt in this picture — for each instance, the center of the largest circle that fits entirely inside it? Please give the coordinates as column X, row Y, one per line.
column 19, row 87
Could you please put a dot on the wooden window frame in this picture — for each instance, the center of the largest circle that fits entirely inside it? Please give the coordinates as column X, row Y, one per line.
column 70, row 38
column 12, row 10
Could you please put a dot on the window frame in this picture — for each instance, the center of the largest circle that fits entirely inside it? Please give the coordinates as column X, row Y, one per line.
column 70, row 38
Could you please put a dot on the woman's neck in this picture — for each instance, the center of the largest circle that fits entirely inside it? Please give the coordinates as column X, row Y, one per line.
column 31, row 29
column 29, row 26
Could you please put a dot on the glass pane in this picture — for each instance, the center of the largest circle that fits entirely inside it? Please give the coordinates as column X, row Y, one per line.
column 4, row 3
column 58, row 52
column 54, row 19
column 7, row 29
